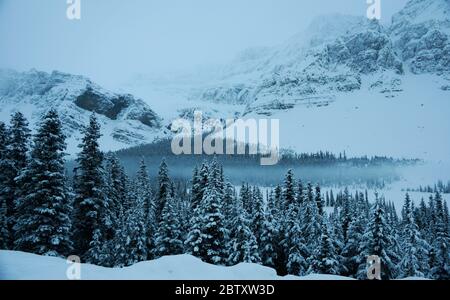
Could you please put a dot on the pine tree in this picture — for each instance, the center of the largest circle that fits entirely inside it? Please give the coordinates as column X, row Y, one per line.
column 377, row 241
column 324, row 260
column 164, row 188
column 207, row 237
column 294, row 243
column 168, row 240
column 269, row 234
column 120, row 255
column 332, row 200
column 243, row 245
column 144, row 195
column 289, row 189
column 300, row 197
column 228, row 202
column 4, row 232
column 97, row 250
column 16, row 159
column 346, row 213
column 319, row 201
column 440, row 269
column 415, row 253
column 42, row 211
column 355, row 233
column 92, row 216
column 258, row 214
column 310, row 225
column 278, row 193
column 246, row 197
column 137, row 232
column 116, row 185
column 199, row 183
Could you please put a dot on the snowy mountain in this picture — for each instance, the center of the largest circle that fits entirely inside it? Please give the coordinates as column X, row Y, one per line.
column 126, row 121
column 339, row 54
column 421, row 33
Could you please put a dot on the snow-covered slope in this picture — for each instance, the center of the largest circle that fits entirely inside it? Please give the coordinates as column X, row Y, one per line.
column 421, row 33
column 23, row 266
column 126, row 121
column 330, row 57
column 336, row 55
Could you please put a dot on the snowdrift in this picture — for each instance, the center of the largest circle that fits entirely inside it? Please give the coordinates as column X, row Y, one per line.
column 25, row 266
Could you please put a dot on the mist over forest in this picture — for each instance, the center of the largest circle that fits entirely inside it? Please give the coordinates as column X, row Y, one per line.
column 325, row 168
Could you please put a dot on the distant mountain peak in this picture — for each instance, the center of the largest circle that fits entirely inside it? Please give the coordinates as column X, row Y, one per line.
column 126, row 120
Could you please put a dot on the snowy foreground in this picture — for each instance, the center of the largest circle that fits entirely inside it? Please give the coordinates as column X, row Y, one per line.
column 26, row 266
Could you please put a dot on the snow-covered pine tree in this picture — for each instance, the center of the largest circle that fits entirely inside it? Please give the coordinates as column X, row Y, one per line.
column 300, row 195
column 144, row 195
column 394, row 230
column 199, row 182
column 212, row 218
column 120, row 255
column 116, row 184
column 338, row 239
column 16, row 159
column 346, row 213
column 355, row 233
column 377, row 241
column 228, row 202
column 406, row 209
column 246, row 197
column 184, row 211
column 117, row 193
column 310, row 224
column 97, row 252
column 319, row 201
column 136, row 242
column 42, row 210
column 421, row 217
column 92, row 216
column 258, row 214
column 4, row 232
column 289, row 190
column 270, row 233
column 332, row 200
column 168, row 239
column 243, row 246
column 446, row 217
column 278, row 197
column 324, row 260
column 164, row 188
column 294, row 243
column 207, row 237
column 431, row 221
column 415, row 250
column 440, row 269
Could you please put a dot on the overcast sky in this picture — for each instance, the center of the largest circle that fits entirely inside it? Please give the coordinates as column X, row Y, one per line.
column 117, row 38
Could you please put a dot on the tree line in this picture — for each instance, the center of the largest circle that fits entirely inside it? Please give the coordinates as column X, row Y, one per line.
column 110, row 219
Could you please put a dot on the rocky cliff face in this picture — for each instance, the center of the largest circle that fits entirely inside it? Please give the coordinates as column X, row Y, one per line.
column 421, row 34
column 126, row 120
column 339, row 54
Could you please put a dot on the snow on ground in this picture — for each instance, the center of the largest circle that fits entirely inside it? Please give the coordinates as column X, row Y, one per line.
column 414, row 124
column 26, row 266
column 411, row 124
